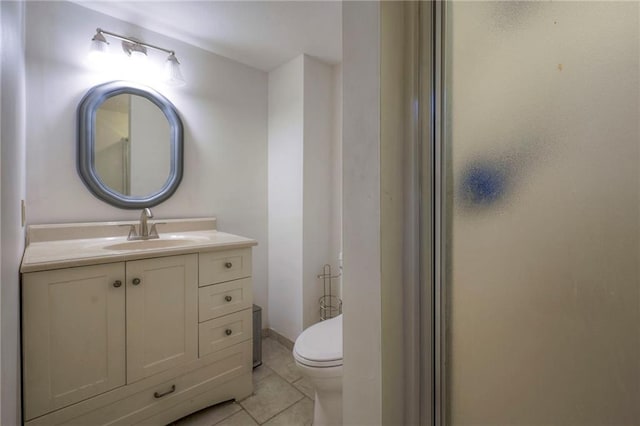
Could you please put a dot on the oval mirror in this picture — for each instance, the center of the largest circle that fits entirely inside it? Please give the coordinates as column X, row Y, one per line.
column 129, row 145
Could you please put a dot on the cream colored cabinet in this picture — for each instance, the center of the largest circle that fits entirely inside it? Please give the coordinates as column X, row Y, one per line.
column 73, row 335
column 225, row 299
column 162, row 314
column 138, row 341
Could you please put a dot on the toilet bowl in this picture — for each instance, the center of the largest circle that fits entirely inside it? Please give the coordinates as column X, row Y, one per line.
column 318, row 356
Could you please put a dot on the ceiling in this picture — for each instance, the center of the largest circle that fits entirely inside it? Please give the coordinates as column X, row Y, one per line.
column 261, row 34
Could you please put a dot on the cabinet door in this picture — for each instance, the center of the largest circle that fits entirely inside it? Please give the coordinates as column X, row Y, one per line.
column 73, row 335
column 162, row 314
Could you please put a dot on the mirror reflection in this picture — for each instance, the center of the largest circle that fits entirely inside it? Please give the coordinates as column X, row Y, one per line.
column 132, row 152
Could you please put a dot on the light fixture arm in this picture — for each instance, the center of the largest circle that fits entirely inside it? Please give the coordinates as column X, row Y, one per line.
column 134, row 41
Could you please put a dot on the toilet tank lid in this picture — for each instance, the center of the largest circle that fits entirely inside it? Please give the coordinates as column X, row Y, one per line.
column 322, row 342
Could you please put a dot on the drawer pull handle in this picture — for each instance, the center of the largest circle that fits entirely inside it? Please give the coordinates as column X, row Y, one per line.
column 228, row 298
column 160, row 395
column 117, row 283
column 228, row 332
column 136, row 281
column 228, row 265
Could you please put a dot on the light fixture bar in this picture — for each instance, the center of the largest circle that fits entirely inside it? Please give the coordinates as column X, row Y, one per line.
column 134, row 41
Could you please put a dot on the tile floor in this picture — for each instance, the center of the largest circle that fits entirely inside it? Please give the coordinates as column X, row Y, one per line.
column 280, row 396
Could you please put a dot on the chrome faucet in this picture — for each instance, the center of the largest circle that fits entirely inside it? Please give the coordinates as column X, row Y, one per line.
column 143, row 232
column 143, row 228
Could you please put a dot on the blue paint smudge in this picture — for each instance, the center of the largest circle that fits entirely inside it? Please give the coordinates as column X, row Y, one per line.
column 484, row 184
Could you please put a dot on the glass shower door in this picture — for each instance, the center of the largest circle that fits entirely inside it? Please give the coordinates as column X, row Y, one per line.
column 540, row 211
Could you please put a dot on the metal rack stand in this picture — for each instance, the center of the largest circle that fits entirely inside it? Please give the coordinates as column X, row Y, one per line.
column 330, row 305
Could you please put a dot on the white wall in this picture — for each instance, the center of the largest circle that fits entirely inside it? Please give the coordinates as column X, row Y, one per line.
column 223, row 108
column 12, row 136
column 336, row 175
column 285, row 156
column 361, row 213
column 317, row 191
column 301, row 144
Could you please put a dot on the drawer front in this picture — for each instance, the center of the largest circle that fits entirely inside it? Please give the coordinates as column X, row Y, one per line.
column 221, row 266
column 225, row 331
column 226, row 365
column 223, row 299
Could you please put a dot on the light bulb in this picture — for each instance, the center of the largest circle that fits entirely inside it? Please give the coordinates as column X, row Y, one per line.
column 172, row 74
column 98, row 50
column 137, row 53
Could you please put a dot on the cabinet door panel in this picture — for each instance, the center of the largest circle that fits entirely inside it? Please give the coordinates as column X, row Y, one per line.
column 74, row 335
column 162, row 314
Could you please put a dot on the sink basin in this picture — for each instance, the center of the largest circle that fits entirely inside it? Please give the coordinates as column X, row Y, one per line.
column 154, row 244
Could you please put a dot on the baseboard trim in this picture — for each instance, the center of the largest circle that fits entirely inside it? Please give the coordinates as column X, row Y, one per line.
column 280, row 338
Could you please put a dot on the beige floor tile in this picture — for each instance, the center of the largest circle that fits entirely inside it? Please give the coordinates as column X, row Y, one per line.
column 261, row 372
column 286, row 368
column 271, row 395
column 272, row 348
column 239, row 419
column 304, row 386
column 280, row 360
column 299, row 414
column 210, row 415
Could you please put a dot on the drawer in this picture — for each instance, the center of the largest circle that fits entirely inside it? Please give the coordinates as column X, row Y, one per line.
column 222, row 299
column 225, row 331
column 225, row 365
column 221, row 266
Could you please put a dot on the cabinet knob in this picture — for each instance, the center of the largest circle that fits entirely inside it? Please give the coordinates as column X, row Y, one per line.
column 228, row 298
column 228, row 265
column 136, row 281
column 228, row 332
column 117, row 283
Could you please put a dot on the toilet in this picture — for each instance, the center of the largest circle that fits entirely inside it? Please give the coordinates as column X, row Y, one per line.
column 318, row 356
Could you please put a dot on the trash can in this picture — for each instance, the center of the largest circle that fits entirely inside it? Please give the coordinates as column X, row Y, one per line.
column 257, row 336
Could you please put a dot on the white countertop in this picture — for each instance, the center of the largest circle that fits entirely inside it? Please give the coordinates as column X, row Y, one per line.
column 106, row 242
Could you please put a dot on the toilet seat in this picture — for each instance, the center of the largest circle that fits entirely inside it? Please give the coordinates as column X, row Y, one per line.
column 320, row 345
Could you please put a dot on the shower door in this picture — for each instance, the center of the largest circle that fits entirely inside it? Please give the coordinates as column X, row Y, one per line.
column 538, row 213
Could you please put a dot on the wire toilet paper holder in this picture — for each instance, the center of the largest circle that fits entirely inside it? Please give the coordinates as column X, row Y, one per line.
column 330, row 304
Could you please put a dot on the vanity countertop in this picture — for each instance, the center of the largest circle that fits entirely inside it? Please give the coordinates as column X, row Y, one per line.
column 79, row 244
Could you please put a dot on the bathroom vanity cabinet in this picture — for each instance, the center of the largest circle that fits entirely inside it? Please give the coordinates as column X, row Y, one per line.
column 148, row 338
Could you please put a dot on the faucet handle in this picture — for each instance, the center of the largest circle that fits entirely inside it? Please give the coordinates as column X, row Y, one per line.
column 132, row 231
column 153, row 232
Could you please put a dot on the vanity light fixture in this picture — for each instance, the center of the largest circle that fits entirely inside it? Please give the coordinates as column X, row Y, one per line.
column 137, row 50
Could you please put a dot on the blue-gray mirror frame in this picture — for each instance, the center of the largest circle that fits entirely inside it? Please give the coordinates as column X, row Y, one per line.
column 86, row 144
